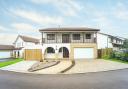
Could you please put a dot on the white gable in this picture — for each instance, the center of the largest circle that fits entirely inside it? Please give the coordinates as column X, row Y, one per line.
column 103, row 41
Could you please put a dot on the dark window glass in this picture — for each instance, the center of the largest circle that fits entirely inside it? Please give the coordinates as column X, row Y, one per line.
column 50, row 36
column 50, row 50
column 76, row 36
column 88, row 36
column 60, row 50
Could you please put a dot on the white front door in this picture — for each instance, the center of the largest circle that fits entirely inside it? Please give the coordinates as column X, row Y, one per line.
column 83, row 53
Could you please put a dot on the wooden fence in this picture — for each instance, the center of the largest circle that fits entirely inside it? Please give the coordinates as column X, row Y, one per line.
column 33, row 54
column 104, row 52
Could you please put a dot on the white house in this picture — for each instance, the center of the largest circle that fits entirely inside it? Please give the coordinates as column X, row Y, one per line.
column 22, row 42
column 69, row 43
column 109, row 41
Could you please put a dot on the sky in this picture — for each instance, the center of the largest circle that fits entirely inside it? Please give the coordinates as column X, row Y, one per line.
column 26, row 17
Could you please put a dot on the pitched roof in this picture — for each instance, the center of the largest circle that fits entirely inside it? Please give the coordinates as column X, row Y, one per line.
column 117, row 37
column 28, row 39
column 7, row 47
column 68, row 29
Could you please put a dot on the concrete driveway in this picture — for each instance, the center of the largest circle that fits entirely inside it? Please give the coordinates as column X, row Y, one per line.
column 81, row 66
column 101, row 80
column 5, row 59
column 22, row 66
column 96, row 65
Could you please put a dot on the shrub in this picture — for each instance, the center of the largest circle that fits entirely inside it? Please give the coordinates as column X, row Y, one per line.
column 120, row 55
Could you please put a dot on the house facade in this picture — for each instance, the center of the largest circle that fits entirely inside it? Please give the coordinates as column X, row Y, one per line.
column 69, row 43
column 109, row 41
column 22, row 42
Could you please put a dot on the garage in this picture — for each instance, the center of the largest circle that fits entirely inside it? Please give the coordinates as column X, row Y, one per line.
column 5, row 54
column 83, row 53
column 6, row 51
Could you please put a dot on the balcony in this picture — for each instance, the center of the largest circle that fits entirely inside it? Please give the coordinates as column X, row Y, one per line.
column 93, row 40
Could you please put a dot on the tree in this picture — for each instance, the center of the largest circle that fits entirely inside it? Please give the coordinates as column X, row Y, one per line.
column 125, row 44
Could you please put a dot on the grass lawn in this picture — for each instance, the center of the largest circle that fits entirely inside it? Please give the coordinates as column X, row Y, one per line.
column 116, row 60
column 6, row 63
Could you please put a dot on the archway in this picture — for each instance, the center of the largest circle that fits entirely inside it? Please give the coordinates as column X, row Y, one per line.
column 49, row 53
column 64, row 52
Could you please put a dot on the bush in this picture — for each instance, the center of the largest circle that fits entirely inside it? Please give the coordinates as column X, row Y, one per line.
column 121, row 55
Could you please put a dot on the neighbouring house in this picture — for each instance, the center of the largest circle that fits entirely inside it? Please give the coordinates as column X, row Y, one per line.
column 6, row 51
column 69, row 43
column 109, row 41
column 22, row 42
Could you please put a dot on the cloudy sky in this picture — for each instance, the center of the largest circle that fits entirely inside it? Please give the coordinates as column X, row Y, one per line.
column 27, row 16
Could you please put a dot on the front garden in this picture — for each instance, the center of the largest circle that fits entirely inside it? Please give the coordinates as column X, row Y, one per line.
column 118, row 56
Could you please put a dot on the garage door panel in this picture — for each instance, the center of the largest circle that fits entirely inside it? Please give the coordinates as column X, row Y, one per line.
column 5, row 55
column 82, row 53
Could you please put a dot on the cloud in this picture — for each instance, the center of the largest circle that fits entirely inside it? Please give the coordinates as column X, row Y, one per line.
column 23, row 27
column 3, row 29
column 37, row 18
column 7, row 38
column 66, row 7
column 121, row 11
column 8, row 35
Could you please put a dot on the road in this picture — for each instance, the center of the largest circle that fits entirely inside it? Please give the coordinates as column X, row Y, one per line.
column 103, row 80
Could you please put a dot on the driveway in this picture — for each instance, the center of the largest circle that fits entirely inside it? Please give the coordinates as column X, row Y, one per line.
column 22, row 66
column 101, row 80
column 5, row 59
column 96, row 65
column 81, row 66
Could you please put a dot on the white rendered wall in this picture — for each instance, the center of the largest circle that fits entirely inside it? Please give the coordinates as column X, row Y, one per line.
column 103, row 41
column 56, row 46
column 19, row 43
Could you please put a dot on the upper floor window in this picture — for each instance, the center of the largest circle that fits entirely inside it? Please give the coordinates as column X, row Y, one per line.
column 50, row 36
column 88, row 36
column 76, row 36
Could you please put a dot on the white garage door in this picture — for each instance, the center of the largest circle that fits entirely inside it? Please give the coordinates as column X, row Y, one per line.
column 83, row 53
column 5, row 54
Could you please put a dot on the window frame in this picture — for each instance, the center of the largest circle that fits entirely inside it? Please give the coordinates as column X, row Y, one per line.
column 50, row 36
column 88, row 36
column 75, row 36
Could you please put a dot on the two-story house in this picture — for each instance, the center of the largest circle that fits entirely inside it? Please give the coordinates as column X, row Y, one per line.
column 22, row 42
column 109, row 41
column 69, row 43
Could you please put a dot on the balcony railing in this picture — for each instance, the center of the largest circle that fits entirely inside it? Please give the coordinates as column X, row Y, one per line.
column 44, row 40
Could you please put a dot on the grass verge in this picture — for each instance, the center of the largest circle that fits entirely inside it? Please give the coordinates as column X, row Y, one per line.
column 115, row 60
column 12, row 61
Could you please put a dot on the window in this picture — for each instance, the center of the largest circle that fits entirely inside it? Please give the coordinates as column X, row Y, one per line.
column 50, row 50
column 76, row 36
column 50, row 36
column 88, row 36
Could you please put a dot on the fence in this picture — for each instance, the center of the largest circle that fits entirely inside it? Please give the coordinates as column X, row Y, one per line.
column 104, row 52
column 33, row 54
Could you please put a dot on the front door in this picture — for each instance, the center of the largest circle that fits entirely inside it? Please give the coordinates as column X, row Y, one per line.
column 65, row 38
column 65, row 53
